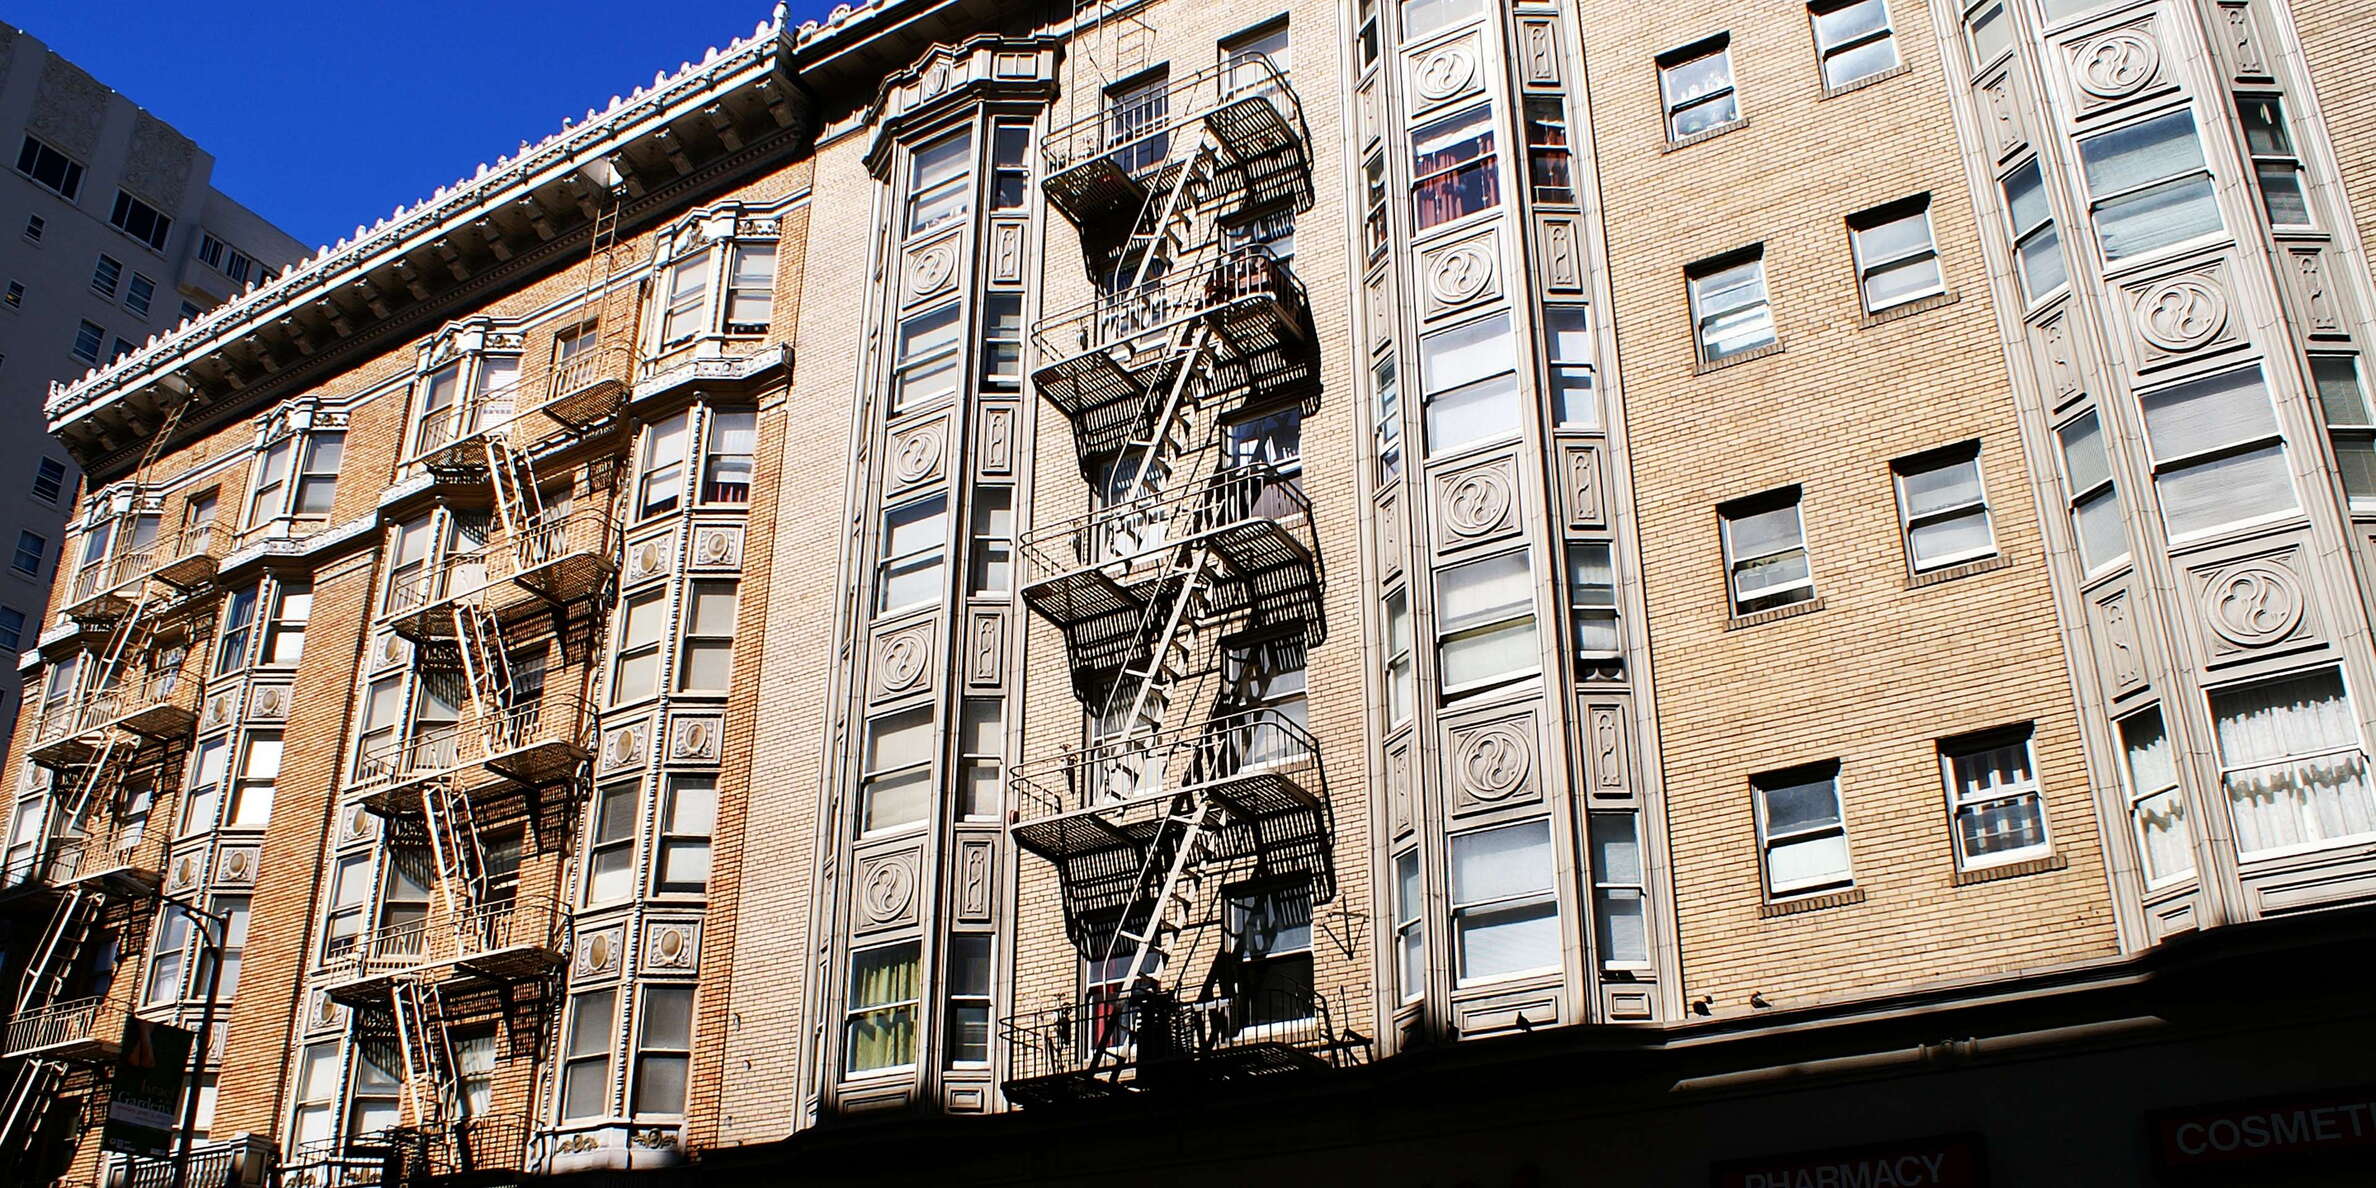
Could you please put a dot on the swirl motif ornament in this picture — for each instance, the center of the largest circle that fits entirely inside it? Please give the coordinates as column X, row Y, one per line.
column 901, row 660
column 1494, row 762
column 2119, row 64
column 931, row 269
column 2254, row 605
column 917, row 456
column 886, row 890
column 998, row 441
column 1477, row 503
column 2184, row 314
column 1445, row 72
column 2248, row 55
column 1460, row 275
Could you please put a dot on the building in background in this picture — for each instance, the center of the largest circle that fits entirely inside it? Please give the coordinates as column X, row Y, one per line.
column 1409, row 593
column 115, row 234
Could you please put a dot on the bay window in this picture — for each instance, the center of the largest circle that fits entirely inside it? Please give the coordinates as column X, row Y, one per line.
column 2151, row 188
column 939, row 189
column 2351, row 424
column 914, row 545
column 1505, row 905
column 684, row 294
column 750, row 287
column 661, row 477
column 927, row 361
column 663, row 1049
column 727, row 464
column 2218, row 458
column 2156, row 802
column 1468, row 378
column 1485, row 629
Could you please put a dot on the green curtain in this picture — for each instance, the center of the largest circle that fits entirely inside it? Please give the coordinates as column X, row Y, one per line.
column 883, row 992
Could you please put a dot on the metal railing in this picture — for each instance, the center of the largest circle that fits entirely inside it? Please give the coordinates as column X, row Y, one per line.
column 444, row 749
column 1117, row 1034
column 1135, row 133
column 239, row 1162
column 1121, row 771
column 533, row 924
column 1127, row 532
column 552, row 389
column 1135, row 322
column 132, row 565
column 54, row 1026
column 463, row 574
column 365, row 1161
column 99, row 709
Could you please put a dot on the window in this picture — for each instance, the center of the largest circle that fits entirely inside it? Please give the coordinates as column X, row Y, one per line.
column 1400, row 681
column 234, row 911
column 969, row 1000
column 1002, row 341
column 1765, row 552
column 610, row 860
column 981, row 752
column 1569, row 329
column 1269, row 932
column 1367, row 15
column 1410, row 926
column 316, row 1094
column 1592, row 608
column 895, row 789
column 1896, row 261
column 49, row 480
column 1800, row 828
column 239, row 620
column 1505, row 911
column 684, row 298
column 2351, row 424
column 750, row 287
column 585, row 1057
column 1138, row 122
column 1944, row 512
column 379, row 1084
column 317, row 478
column 259, row 771
column 228, row 260
column 383, row 712
column 1010, row 165
column 1992, row 798
column 15, row 297
column 170, row 947
column 2095, row 505
column 12, row 629
column 1728, row 306
column 2157, row 805
column 663, row 1049
column 2217, row 456
column 1373, row 203
column 1696, row 85
column 2035, row 239
column 34, row 225
column 29, row 548
column 938, row 192
column 727, row 463
column 1852, row 40
column 140, row 220
column 915, row 537
column 139, row 294
column 881, row 1025
column 122, row 347
column 2292, row 764
column 474, row 1069
column 635, row 674
column 2274, row 162
column 1273, row 440
column 1469, row 379
column 107, row 276
column 1550, row 152
column 189, row 312
column 662, row 483
column 88, row 338
column 708, row 661
column 1486, row 627
column 993, row 534
column 2058, row 11
column 1422, row 17
column 1619, row 923
column 928, row 358
column 284, row 636
column 1453, row 167
column 1390, row 429
column 1989, row 32
column 51, row 169
column 2150, row 185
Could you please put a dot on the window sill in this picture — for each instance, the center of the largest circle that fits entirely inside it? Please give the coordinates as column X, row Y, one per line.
column 1972, row 876
column 1704, row 134
column 1760, row 618
column 1810, row 903
column 1961, row 569
column 1907, row 309
column 1870, row 80
column 1748, row 356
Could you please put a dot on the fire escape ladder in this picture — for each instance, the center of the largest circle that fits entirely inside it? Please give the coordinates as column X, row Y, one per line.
column 519, row 505
column 32, row 1094
column 1170, row 879
column 421, row 1034
column 452, row 826
column 478, row 638
column 61, row 946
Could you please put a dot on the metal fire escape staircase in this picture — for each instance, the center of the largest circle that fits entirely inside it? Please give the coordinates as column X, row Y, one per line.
column 1187, row 552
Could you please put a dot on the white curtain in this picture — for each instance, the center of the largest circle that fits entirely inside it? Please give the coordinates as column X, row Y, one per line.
column 2294, row 770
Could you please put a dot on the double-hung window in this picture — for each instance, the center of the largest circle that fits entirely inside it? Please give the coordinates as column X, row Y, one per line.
column 317, row 475
column 635, row 673
column 1387, row 376
column 1138, row 122
column 12, row 630
column 202, row 805
column 939, row 189
column 1852, row 40
column 660, row 488
column 166, row 954
column 1505, row 902
column 89, row 338
column 727, row 461
column 610, row 859
column 376, row 1106
column 1469, row 380
column 1422, row 17
column 1765, row 552
column 2351, row 423
column 895, row 789
column 708, row 660
column 350, row 895
column 234, row 911
column 50, row 169
column 2218, row 458
column 914, row 545
column 2274, row 162
column 981, row 752
column 139, row 294
column 1453, row 167
column 2156, row 803
column 1485, row 627
column 270, row 491
column 2150, row 186
column 383, row 713
column 1592, row 607
column 1002, row 341
column 1619, row 923
column 1730, row 315
column 1410, row 926
column 1401, row 683
column 969, row 1000
column 239, row 622
column 2035, row 239
column 1270, row 933
column 1569, row 331
column 750, row 287
column 1896, row 261
column 1989, row 32
column 2292, row 763
column 1373, row 203
column 586, row 1054
column 1993, row 802
column 993, row 542
column 928, row 358
column 684, row 298
column 663, row 1049
column 1944, row 511
column 1550, row 151
column 1801, row 830
column 1695, row 84
column 259, row 772
column 2094, row 502
column 107, row 275
column 316, row 1094
column 1010, row 165
column 30, row 547
column 885, row 989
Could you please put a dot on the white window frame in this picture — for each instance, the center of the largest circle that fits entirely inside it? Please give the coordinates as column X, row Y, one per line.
column 1972, row 792
column 856, row 1011
column 653, row 1046
column 932, row 556
column 1911, row 522
column 1708, row 279
column 2101, row 198
column 1608, row 889
column 586, row 1049
column 1736, row 563
column 1768, row 840
column 2139, row 793
column 2278, row 158
column 1464, row 911
column 705, row 636
column 1827, row 50
column 682, row 833
column 2271, row 436
column 1725, row 94
column 611, row 833
column 1870, row 263
column 872, row 776
column 1507, row 617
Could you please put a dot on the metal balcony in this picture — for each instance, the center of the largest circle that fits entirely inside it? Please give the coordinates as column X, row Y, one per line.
column 130, row 865
column 501, row 943
column 1097, row 576
column 558, row 559
column 1108, row 363
column 1105, row 168
column 80, row 1030
column 1108, row 1045
column 1095, row 812
column 163, row 705
column 242, row 1161
column 571, row 396
column 106, row 590
column 364, row 1161
column 525, row 745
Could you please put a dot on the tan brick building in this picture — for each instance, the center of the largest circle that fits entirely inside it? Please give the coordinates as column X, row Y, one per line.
column 1407, row 593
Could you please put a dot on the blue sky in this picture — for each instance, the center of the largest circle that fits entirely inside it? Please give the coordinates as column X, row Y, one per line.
column 324, row 115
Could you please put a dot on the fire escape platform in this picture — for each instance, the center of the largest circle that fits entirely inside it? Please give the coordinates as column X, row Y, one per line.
column 1132, row 822
column 1095, row 178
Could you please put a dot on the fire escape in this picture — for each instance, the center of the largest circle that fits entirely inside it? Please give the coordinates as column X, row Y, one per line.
column 1178, row 795
column 516, row 747
column 134, row 608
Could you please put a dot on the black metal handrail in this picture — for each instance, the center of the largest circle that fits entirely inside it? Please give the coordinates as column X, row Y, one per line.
column 1129, row 132
column 1126, row 532
column 1135, row 321
column 1115, row 1033
column 1138, row 765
